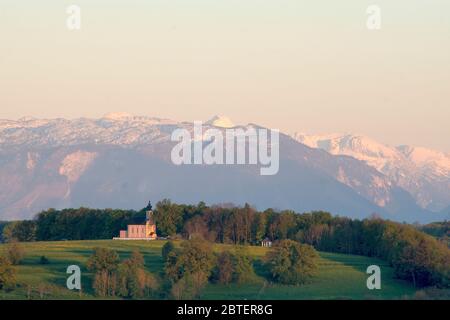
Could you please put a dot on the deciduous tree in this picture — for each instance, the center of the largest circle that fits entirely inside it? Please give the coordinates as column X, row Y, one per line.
column 290, row 262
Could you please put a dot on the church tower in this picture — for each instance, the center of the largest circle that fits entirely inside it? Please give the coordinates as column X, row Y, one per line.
column 150, row 227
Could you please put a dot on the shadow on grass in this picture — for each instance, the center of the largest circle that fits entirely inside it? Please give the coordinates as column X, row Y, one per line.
column 153, row 261
column 260, row 269
column 57, row 269
column 359, row 263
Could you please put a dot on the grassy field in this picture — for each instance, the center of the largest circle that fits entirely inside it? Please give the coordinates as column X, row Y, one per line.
column 340, row 276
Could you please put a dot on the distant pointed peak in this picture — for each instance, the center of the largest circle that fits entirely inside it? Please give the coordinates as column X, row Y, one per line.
column 27, row 118
column 220, row 121
column 117, row 116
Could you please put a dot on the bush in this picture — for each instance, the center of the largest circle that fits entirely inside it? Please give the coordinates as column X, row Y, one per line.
column 195, row 255
column 290, row 262
column 190, row 268
column 103, row 259
column 415, row 256
column 243, row 270
column 232, row 267
column 167, row 248
column 43, row 260
column 190, row 285
column 7, row 274
column 225, row 268
column 14, row 253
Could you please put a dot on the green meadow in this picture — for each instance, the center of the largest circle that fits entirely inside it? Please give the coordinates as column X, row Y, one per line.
column 339, row 276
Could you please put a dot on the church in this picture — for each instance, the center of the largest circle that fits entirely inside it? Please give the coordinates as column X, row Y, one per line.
column 145, row 231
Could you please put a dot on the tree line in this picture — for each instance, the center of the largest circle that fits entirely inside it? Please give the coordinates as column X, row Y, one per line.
column 72, row 224
column 415, row 256
column 439, row 230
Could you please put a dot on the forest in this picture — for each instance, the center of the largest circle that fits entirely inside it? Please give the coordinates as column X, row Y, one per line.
column 415, row 256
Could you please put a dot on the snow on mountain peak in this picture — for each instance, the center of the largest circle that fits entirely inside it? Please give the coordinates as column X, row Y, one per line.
column 357, row 146
column 220, row 121
column 413, row 168
column 117, row 116
column 420, row 154
column 427, row 158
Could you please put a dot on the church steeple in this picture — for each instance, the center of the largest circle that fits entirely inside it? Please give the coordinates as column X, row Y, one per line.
column 149, row 214
column 150, row 227
column 149, row 206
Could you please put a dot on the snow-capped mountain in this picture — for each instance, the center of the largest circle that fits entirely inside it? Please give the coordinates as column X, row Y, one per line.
column 121, row 160
column 114, row 128
column 423, row 172
column 220, row 121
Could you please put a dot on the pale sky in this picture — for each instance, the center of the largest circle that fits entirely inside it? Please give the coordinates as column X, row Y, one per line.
column 309, row 66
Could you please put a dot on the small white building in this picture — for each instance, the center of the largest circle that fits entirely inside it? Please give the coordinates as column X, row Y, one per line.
column 266, row 243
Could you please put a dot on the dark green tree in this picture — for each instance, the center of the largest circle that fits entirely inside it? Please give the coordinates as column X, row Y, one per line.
column 168, row 218
column 195, row 255
column 23, row 231
column 224, row 269
column 290, row 262
column 166, row 249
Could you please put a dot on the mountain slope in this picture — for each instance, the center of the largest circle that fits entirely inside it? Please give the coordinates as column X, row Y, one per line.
column 122, row 160
column 424, row 173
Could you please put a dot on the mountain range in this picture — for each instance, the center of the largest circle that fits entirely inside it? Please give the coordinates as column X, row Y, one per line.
column 122, row 161
column 424, row 173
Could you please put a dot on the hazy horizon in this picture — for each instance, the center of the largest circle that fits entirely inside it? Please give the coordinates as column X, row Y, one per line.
column 310, row 67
